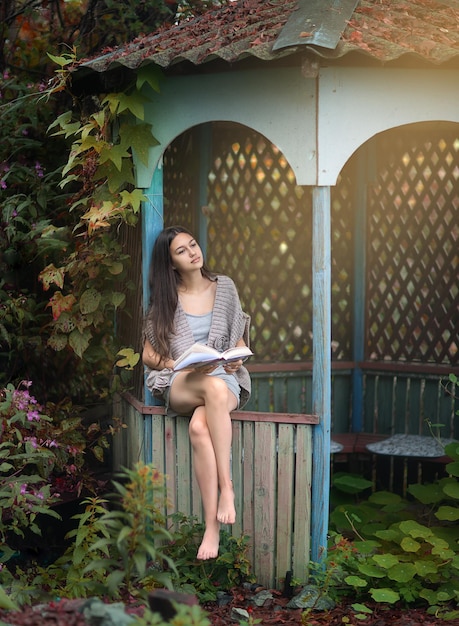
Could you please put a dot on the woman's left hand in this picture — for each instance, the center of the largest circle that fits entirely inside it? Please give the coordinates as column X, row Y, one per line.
column 233, row 367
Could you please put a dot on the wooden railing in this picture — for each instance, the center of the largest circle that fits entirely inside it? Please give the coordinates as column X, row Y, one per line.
column 271, row 472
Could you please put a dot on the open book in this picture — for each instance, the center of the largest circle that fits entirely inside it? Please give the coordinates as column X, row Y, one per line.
column 199, row 355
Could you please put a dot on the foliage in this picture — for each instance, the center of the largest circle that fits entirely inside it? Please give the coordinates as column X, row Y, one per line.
column 31, row 29
column 67, row 326
column 391, row 549
column 43, row 457
column 206, row 578
column 32, row 231
column 114, row 551
column 67, row 236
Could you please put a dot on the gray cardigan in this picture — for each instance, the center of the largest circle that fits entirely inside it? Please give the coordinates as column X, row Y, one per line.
column 229, row 324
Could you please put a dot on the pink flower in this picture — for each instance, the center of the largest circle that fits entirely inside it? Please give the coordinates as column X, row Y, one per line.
column 33, row 441
column 33, row 416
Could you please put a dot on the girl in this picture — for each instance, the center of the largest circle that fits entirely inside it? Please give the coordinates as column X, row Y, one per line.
column 189, row 304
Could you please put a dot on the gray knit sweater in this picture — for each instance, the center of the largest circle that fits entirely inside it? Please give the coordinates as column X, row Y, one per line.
column 229, row 324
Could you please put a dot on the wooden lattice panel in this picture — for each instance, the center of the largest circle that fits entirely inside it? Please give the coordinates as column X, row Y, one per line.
column 179, row 180
column 259, row 233
column 342, row 242
column 413, row 251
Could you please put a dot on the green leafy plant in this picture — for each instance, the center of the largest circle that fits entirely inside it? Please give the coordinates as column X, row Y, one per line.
column 206, row 578
column 390, row 549
column 127, row 552
column 115, row 551
column 44, row 457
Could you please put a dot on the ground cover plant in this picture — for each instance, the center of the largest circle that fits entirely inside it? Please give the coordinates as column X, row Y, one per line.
column 390, row 549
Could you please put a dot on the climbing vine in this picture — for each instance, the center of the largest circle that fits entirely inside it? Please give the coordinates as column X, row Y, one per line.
column 85, row 291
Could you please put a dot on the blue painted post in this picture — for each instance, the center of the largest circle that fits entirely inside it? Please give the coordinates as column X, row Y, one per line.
column 321, row 371
column 152, row 224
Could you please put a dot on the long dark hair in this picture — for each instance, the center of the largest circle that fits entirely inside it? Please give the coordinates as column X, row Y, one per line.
column 164, row 282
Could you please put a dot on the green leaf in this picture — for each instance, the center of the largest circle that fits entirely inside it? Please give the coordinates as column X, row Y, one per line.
column 98, row 453
column 62, row 61
column 114, row 580
column 120, row 102
column 453, row 468
column 384, row 595
column 412, row 528
column 402, row 572
column 351, row 484
column 130, row 359
column 133, row 198
column 118, row 299
column 384, row 497
column 391, row 534
column 410, row 545
column 452, row 489
column 149, row 75
column 452, row 450
column 79, row 341
column 427, row 494
column 114, row 153
column 385, row 560
column 361, row 608
column 366, row 547
column 115, row 267
column 89, row 301
column 140, row 138
column 140, row 561
column 124, row 533
column 6, row 602
column 425, row 567
column 355, row 581
column 372, row 571
column 448, row 514
column 116, row 179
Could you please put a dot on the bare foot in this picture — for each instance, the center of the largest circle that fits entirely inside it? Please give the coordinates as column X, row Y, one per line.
column 209, row 545
column 226, row 513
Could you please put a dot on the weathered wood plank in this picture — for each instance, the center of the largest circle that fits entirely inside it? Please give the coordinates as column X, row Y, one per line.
column 170, row 464
column 158, row 452
column 237, row 461
column 302, row 513
column 285, row 500
column 135, row 439
column 158, row 449
column 264, row 498
column 184, row 468
column 248, row 519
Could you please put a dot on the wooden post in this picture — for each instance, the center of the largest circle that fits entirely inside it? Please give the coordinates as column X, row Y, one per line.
column 321, row 372
column 152, row 224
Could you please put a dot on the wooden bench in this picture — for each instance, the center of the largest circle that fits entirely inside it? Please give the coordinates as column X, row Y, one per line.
column 271, row 472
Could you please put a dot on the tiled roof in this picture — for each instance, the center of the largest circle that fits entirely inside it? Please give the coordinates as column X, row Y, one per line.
column 384, row 30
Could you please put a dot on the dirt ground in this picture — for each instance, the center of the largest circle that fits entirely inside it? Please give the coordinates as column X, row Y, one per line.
column 274, row 611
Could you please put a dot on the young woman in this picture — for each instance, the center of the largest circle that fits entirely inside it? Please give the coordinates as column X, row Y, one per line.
column 189, row 304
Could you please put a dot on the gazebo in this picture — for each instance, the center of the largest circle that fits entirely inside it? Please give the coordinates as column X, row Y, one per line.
column 318, row 142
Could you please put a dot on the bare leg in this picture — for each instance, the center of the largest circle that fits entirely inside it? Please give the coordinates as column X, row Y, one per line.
column 210, row 433
column 205, row 467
